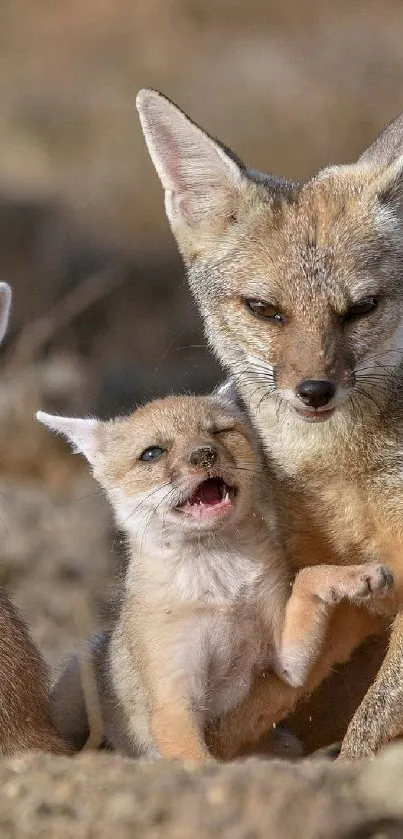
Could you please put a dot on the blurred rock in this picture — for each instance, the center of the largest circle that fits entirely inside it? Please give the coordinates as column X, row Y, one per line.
column 96, row 796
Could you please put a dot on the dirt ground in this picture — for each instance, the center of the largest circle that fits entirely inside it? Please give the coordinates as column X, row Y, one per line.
column 97, row 796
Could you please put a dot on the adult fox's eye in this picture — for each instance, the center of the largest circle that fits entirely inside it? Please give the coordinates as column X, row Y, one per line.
column 361, row 309
column 265, row 311
column 153, row 453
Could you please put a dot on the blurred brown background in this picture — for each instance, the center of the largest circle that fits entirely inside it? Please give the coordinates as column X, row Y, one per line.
column 291, row 85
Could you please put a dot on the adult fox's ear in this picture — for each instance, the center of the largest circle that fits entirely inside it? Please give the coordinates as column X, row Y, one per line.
column 5, row 303
column 387, row 147
column 83, row 434
column 203, row 182
column 385, row 159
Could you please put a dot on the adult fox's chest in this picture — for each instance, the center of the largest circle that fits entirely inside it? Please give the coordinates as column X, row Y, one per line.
column 329, row 523
column 345, row 522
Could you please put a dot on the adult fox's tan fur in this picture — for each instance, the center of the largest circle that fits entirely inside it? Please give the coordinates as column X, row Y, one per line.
column 300, row 288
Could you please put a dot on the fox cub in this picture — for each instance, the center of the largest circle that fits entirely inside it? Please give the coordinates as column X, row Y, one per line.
column 206, row 601
column 25, row 720
column 300, row 289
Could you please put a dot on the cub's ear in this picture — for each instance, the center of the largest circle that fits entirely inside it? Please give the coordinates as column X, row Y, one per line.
column 5, row 303
column 387, row 147
column 202, row 181
column 226, row 395
column 83, row 434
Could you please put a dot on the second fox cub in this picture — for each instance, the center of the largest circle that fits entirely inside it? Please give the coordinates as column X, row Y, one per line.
column 300, row 288
column 206, row 601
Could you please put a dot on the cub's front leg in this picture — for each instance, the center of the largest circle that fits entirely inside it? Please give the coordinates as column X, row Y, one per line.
column 315, row 593
column 271, row 699
column 175, row 721
column 175, row 732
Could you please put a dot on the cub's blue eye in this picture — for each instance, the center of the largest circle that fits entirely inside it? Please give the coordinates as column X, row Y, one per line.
column 153, row 453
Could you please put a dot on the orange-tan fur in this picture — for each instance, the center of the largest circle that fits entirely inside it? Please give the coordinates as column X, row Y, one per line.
column 311, row 254
column 25, row 718
column 206, row 600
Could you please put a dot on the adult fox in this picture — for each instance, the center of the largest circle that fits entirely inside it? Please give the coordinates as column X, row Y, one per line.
column 300, row 288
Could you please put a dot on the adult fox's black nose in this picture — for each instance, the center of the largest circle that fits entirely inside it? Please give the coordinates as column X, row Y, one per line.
column 203, row 456
column 316, row 392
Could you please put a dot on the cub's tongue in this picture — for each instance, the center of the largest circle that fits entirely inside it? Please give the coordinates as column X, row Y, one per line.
column 210, row 500
column 210, row 492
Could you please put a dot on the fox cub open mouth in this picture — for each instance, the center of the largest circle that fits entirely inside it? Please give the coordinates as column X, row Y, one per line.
column 211, row 498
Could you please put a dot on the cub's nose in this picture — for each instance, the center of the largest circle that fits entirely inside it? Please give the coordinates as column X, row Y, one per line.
column 203, row 456
column 316, row 392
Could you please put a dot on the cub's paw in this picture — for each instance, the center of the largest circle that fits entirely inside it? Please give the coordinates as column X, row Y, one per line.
column 371, row 580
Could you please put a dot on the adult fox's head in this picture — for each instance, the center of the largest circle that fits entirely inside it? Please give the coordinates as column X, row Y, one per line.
column 300, row 286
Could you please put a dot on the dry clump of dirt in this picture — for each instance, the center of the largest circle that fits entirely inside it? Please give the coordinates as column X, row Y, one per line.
column 97, row 796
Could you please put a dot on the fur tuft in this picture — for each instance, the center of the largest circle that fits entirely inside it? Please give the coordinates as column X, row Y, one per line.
column 5, row 305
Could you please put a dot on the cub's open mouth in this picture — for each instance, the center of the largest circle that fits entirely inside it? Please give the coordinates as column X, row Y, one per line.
column 211, row 498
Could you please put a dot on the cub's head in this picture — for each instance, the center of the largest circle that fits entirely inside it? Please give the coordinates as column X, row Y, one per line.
column 182, row 462
column 300, row 286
